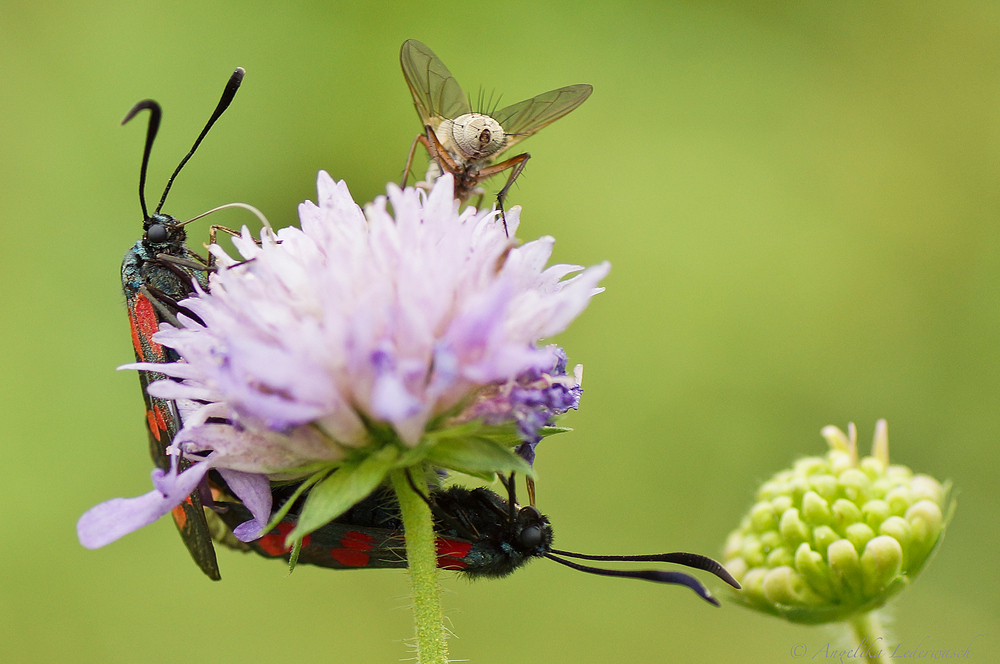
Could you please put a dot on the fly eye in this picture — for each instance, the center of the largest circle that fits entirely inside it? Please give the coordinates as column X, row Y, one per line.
column 531, row 537
column 157, row 233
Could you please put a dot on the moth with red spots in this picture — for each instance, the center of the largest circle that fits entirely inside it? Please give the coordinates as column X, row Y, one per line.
column 157, row 273
column 479, row 534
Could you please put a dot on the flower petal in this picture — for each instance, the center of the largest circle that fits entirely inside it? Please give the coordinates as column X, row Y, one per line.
column 255, row 492
column 115, row 518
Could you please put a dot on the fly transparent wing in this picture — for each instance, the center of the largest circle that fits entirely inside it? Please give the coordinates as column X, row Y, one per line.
column 436, row 93
column 523, row 119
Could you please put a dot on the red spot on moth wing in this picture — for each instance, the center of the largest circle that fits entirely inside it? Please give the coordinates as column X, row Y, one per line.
column 451, row 552
column 180, row 516
column 161, row 419
column 452, row 548
column 151, row 423
column 350, row 557
column 274, row 542
column 144, row 323
column 156, row 420
column 357, row 541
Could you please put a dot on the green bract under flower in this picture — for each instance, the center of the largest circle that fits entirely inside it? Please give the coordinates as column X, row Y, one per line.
column 836, row 535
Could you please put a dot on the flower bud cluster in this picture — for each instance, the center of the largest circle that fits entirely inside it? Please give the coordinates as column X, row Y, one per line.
column 835, row 535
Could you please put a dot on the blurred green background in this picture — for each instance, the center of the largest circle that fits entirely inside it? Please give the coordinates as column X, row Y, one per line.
column 800, row 201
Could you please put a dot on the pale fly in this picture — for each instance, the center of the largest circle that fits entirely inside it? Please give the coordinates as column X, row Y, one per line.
column 464, row 143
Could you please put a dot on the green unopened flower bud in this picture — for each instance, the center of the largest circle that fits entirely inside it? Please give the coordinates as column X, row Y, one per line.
column 845, row 568
column 783, row 585
column 814, row 569
column 838, row 535
column 880, row 563
column 874, row 512
column 823, row 537
column 846, row 513
column 791, row 527
column 815, row 509
column 859, row 534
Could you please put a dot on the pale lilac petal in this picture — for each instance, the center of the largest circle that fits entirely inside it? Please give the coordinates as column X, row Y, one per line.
column 391, row 401
column 171, row 390
column 196, row 413
column 255, row 492
column 573, row 299
column 115, row 518
column 259, row 452
column 181, row 370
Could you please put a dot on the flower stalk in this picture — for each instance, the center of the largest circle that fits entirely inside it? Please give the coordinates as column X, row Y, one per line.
column 421, row 556
column 867, row 632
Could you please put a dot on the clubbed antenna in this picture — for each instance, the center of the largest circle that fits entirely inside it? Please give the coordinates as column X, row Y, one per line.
column 227, row 98
column 154, row 125
column 680, row 558
column 155, row 113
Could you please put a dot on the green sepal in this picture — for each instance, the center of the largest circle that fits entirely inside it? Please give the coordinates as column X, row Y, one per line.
column 503, row 434
column 477, row 456
column 817, row 615
column 283, row 510
column 508, row 434
column 336, row 493
column 294, row 558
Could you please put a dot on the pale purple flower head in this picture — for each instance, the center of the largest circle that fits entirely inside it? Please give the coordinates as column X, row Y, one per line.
column 532, row 400
column 365, row 321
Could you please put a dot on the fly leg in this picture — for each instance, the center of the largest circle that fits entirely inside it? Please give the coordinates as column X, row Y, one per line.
column 516, row 164
column 420, row 138
column 437, row 151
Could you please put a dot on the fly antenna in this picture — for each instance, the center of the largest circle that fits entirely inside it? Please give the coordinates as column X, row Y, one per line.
column 227, row 97
column 692, row 560
column 657, row 576
column 155, row 113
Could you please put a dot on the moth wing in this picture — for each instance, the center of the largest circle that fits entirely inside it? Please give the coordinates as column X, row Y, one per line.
column 436, row 93
column 162, row 423
column 521, row 120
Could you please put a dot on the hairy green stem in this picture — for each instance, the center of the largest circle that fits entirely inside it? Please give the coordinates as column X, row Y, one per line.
column 868, row 634
column 421, row 556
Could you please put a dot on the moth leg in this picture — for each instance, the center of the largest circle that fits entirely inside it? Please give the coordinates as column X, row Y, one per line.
column 213, row 232
column 440, row 514
column 183, row 262
column 214, row 229
column 508, row 482
column 174, row 264
column 167, row 306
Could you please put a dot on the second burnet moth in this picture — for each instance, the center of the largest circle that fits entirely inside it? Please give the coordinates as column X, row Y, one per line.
column 479, row 534
column 157, row 273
